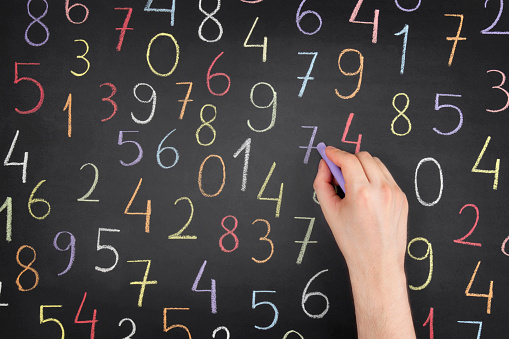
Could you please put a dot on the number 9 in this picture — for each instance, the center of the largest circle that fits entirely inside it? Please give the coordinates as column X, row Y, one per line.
column 429, row 253
column 349, row 74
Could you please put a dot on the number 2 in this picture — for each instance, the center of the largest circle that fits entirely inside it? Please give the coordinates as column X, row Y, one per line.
column 92, row 188
column 178, row 235
column 488, row 30
column 461, row 240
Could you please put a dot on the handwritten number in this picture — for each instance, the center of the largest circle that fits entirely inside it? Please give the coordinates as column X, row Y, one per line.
column 488, row 30
column 37, row 20
column 500, row 88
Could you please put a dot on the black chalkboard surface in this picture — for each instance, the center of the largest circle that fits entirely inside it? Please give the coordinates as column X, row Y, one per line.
column 158, row 160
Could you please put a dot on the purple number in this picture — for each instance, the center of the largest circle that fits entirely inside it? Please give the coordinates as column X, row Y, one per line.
column 303, row 14
column 121, row 142
column 437, row 107
column 38, row 20
column 488, row 30
column 311, row 141
column 71, row 245
column 406, row 9
column 213, row 303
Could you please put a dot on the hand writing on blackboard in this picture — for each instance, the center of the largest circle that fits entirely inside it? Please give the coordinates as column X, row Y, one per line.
column 370, row 228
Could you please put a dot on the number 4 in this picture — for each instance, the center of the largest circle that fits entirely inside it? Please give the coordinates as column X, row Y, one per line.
column 7, row 161
column 489, row 296
column 475, row 169
column 353, row 18
column 93, row 321
column 262, row 189
column 264, row 45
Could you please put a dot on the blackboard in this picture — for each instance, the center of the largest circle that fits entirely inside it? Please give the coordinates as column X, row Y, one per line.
column 204, row 115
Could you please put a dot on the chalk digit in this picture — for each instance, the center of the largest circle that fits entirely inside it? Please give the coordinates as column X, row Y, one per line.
column 68, row 10
column 148, row 8
column 279, row 199
column 37, row 83
column 147, row 213
column 124, row 27
column 353, row 19
column 210, row 16
column 93, row 321
column 496, row 171
column 24, row 163
column 306, row 78
column 37, row 20
column 489, row 295
column 455, row 38
column 306, row 295
column 213, row 293
column 306, row 240
column 263, row 46
column 27, row 268
column 7, row 206
column 144, row 282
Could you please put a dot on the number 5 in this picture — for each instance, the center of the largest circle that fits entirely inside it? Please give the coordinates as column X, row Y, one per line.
column 41, row 90
column 254, row 304
column 106, row 247
column 42, row 320
column 438, row 107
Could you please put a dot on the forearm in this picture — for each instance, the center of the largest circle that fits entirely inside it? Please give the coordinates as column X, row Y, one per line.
column 381, row 304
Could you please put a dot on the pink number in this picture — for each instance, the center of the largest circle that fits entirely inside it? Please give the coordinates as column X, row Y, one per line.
column 124, row 26
column 41, row 90
column 461, row 240
column 68, row 9
column 504, row 244
column 353, row 18
column 229, row 232
column 209, row 76
column 108, row 99
column 347, row 127
column 502, row 89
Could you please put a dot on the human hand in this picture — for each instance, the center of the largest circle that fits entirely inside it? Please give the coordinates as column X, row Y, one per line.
column 370, row 228
column 370, row 223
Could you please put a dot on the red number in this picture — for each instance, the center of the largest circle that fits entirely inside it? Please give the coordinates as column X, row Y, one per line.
column 229, row 232
column 41, row 90
column 93, row 321
column 209, row 76
column 108, row 99
column 430, row 322
column 124, row 26
column 347, row 127
column 460, row 240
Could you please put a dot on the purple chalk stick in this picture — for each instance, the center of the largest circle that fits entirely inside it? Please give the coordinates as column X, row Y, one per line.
column 336, row 172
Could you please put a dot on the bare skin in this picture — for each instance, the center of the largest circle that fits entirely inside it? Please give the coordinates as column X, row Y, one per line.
column 370, row 228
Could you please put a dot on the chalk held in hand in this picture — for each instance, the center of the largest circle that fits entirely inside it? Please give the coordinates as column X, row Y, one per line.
column 336, row 172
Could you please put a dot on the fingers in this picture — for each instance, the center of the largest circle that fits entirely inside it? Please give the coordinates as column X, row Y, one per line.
column 324, row 190
column 385, row 171
column 371, row 168
column 349, row 164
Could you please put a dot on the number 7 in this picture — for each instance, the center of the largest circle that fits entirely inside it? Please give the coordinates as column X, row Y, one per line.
column 456, row 38
column 124, row 26
column 307, row 77
column 144, row 282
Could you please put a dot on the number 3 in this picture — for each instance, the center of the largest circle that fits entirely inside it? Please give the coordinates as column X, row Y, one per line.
column 502, row 89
